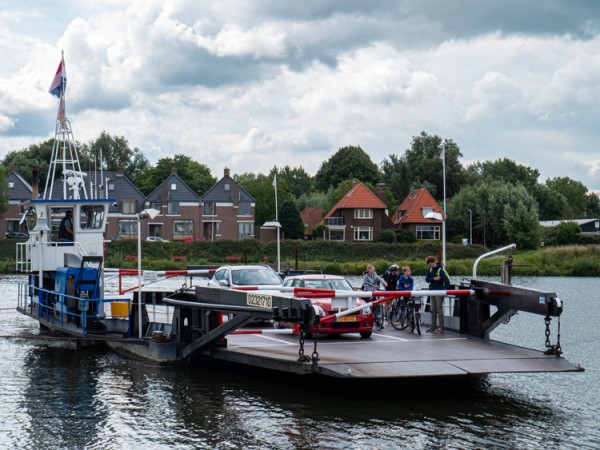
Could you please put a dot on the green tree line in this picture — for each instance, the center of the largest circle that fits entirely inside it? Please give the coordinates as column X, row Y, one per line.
column 501, row 201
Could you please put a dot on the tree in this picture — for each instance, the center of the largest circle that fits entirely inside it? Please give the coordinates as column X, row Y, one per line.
column 261, row 188
column 38, row 155
column 289, row 218
column 575, row 193
column 421, row 166
column 4, row 196
column 297, row 180
column 115, row 152
column 505, row 170
column 593, row 205
column 567, row 233
column 197, row 176
column 347, row 162
column 552, row 204
column 493, row 223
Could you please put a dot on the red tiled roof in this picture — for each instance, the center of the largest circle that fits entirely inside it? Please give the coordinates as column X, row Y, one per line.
column 411, row 209
column 359, row 196
column 311, row 216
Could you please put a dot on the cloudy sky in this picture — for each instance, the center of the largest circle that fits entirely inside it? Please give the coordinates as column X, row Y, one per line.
column 250, row 84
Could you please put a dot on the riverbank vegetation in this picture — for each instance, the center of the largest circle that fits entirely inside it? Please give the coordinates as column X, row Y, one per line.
column 346, row 258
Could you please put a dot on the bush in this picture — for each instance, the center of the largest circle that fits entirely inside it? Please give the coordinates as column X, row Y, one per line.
column 387, row 236
column 406, row 237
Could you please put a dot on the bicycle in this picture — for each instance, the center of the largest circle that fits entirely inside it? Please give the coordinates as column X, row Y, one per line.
column 407, row 313
column 378, row 316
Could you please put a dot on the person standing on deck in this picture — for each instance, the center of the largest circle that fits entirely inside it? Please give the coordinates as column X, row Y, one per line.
column 391, row 277
column 438, row 279
column 371, row 280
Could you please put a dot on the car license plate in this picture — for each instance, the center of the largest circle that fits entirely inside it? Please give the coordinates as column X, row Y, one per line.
column 347, row 319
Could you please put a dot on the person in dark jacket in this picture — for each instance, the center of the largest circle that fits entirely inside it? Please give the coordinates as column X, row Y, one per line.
column 438, row 279
column 65, row 229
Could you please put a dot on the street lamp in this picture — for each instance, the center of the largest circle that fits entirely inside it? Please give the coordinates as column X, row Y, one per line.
column 470, row 227
column 439, row 216
column 275, row 224
column 145, row 214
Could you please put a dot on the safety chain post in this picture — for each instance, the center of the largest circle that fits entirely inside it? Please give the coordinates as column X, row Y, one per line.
column 301, row 356
column 552, row 349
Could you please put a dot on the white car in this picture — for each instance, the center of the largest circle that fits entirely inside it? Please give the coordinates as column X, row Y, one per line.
column 155, row 239
column 252, row 275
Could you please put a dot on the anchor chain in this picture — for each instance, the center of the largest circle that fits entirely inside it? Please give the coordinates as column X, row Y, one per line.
column 315, row 353
column 552, row 349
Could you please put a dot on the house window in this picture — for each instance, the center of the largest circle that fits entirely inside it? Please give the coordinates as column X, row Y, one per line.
column 227, row 186
column 428, row 233
column 183, row 228
column 128, row 206
column 156, row 205
column 128, row 227
column 363, row 233
column 173, row 186
column 111, row 186
column 246, row 230
column 173, row 208
column 336, row 235
column 11, row 184
column 363, row 213
column 12, row 225
column 210, row 209
column 244, row 209
column 426, row 211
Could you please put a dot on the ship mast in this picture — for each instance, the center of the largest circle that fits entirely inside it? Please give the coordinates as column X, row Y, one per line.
column 64, row 149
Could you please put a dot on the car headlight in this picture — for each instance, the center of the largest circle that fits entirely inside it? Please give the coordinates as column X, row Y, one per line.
column 367, row 310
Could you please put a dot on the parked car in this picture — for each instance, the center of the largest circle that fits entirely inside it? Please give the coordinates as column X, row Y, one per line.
column 155, row 239
column 189, row 239
column 17, row 235
column 252, row 275
column 359, row 322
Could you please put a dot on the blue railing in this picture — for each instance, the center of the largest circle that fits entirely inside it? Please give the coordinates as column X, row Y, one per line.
column 53, row 306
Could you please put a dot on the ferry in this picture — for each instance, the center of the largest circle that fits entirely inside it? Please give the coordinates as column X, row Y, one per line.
column 66, row 293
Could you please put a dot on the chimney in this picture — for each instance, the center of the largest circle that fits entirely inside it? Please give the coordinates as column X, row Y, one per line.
column 412, row 192
column 173, row 170
column 381, row 192
column 226, row 172
column 35, row 183
column 15, row 168
column 235, row 192
column 120, row 170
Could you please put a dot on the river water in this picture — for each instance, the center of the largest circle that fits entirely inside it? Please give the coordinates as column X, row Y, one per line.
column 59, row 398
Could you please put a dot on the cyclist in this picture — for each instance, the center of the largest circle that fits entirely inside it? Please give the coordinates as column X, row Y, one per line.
column 371, row 282
column 391, row 277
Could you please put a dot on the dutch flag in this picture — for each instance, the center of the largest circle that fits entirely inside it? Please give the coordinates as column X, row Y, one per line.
column 59, row 83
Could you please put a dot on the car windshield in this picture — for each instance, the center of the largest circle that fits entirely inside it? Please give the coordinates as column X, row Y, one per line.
column 338, row 285
column 251, row 277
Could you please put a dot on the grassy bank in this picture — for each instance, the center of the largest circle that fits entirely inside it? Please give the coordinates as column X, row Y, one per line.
column 344, row 258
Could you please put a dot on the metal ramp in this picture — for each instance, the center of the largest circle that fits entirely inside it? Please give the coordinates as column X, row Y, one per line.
column 88, row 280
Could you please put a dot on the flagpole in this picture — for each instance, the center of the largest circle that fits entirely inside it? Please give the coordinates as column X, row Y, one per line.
column 444, row 221
column 278, row 227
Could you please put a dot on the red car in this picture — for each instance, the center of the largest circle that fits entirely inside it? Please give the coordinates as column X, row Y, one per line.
column 359, row 322
column 189, row 239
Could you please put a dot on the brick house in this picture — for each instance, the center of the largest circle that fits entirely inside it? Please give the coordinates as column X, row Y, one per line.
column 179, row 208
column 360, row 215
column 311, row 217
column 411, row 213
column 228, row 211
column 19, row 191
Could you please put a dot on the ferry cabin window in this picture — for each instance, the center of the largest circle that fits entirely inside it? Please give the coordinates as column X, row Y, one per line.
column 127, row 227
column 428, row 232
column 183, row 228
column 91, row 217
column 363, row 233
column 128, row 206
column 56, row 217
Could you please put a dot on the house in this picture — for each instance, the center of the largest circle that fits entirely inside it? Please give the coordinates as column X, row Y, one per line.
column 179, row 208
column 311, row 217
column 19, row 191
column 590, row 227
column 228, row 211
column 412, row 212
column 360, row 215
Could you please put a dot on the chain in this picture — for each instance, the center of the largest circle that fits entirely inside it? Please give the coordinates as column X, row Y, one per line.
column 315, row 353
column 552, row 349
column 301, row 356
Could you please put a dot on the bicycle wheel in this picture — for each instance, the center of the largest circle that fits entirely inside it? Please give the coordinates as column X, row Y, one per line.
column 378, row 317
column 418, row 322
column 399, row 321
column 411, row 320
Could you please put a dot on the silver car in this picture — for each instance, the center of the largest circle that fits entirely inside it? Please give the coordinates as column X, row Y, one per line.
column 255, row 275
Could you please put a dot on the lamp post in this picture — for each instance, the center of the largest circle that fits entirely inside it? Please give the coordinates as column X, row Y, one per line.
column 470, row 227
column 145, row 214
column 444, row 222
column 276, row 224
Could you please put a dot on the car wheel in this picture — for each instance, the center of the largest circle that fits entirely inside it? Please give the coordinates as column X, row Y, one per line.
column 365, row 334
